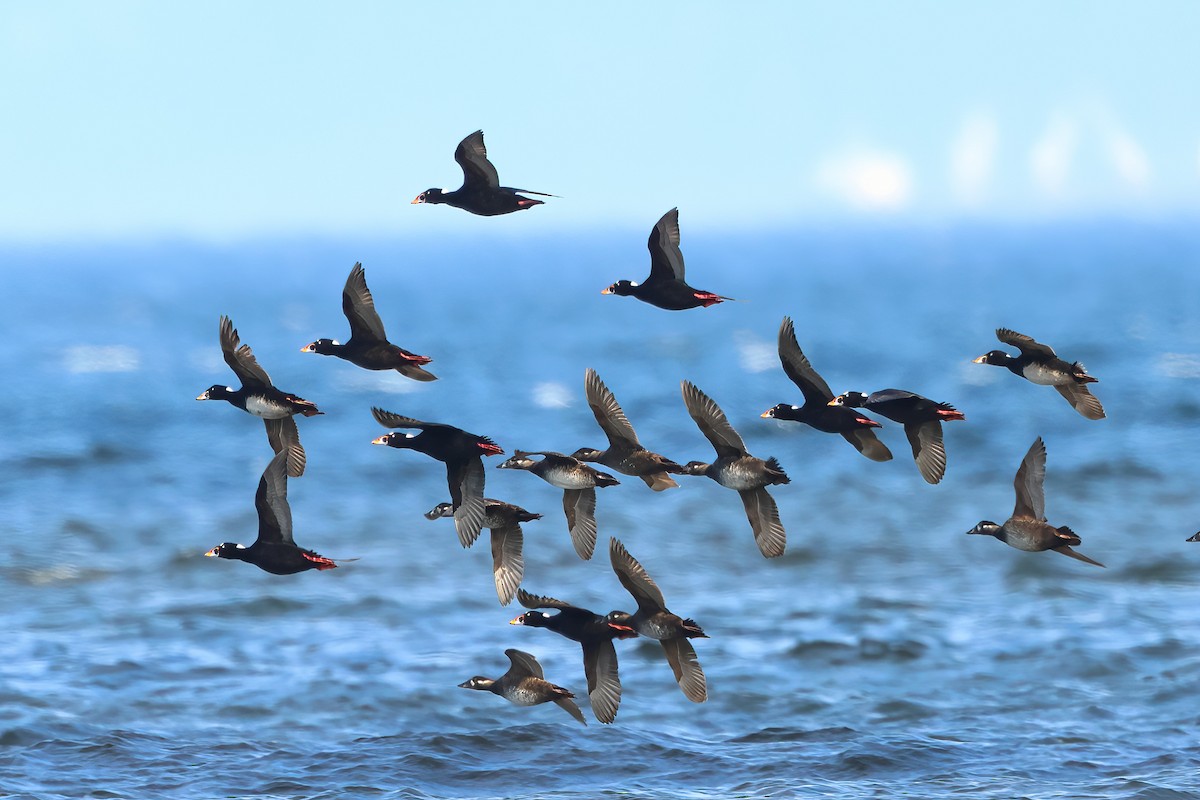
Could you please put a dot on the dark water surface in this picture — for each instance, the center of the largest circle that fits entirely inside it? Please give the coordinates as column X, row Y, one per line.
column 886, row 654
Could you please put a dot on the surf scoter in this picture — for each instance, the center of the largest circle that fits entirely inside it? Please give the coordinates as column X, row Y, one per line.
column 1027, row 528
column 734, row 468
column 525, row 685
column 368, row 346
column 461, row 453
column 274, row 550
column 595, row 633
column 259, row 397
column 654, row 621
column 481, row 192
column 666, row 287
column 1039, row 364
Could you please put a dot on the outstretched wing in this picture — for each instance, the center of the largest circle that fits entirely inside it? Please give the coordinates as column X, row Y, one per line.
column 686, row 666
column 928, row 451
column 1031, row 475
column 797, row 367
column 240, row 357
column 466, row 481
column 1026, row 344
column 764, row 521
column 508, row 560
column 471, row 155
column 1081, row 399
column 274, row 513
column 712, row 422
column 359, row 307
column 635, row 578
column 282, row 435
column 666, row 259
column 389, row 420
column 523, row 664
column 580, row 508
column 604, row 683
column 611, row 418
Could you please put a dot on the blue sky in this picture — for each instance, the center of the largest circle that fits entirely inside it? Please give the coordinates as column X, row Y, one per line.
column 223, row 120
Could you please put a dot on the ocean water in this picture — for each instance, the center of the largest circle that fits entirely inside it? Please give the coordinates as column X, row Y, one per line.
column 885, row 655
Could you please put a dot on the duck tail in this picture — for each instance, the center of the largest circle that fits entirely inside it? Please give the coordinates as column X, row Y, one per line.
column 1079, row 373
column 1069, row 535
column 775, row 469
column 692, row 630
column 947, row 412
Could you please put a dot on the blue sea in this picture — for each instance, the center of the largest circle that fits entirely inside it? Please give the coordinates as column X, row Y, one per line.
column 886, row 654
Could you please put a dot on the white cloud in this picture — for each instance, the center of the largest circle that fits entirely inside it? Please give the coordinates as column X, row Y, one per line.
column 1128, row 158
column 1053, row 153
column 870, row 180
column 551, row 395
column 973, row 157
column 101, row 358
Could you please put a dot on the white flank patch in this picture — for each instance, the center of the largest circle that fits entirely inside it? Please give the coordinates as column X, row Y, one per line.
column 1052, row 154
column 756, row 355
column 973, row 157
column 870, row 180
column 551, row 395
column 103, row 358
column 1179, row 365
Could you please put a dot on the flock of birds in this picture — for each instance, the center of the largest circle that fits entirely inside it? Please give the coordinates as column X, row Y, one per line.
column 275, row 549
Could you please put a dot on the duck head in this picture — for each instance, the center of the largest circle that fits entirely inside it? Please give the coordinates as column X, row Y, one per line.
column 216, row 392
column 439, row 511
column 998, row 358
column 478, row 682
column 518, row 460
column 586, row 454
column 430, row 196
column 323, row 347
column 623, row 288
column 849, row 399
column 986, row 528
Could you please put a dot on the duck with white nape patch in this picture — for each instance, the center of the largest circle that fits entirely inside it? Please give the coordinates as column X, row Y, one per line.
column 461, row 453
column 259, row 397
column 368, row 346
column 1038, row 363
column 578, row 482
column 481, row 192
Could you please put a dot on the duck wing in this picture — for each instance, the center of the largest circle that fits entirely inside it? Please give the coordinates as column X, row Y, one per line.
column 635, row 579
column 471, row 155
column 274, row 513
column 797, row 367
column 508, row 560
column 688, row 674
column 1067, row 551
column 540, row 601
column 764, row 520
column 523, row 665
column 712, row 422
column 568, row 705
column 359, row 308
column 1081, row 399
column 666, row 259
column 580, row 508
column 604, row 684
column 927, row 449
column 466, row 480
column 608, row 413
column 389, row 420
column 240, row 357
column 282, row 435
column 1031, row 475
column 866, row 442
column 1026, row 344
